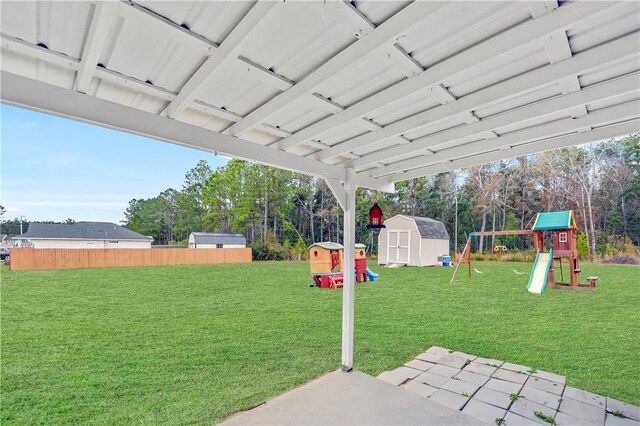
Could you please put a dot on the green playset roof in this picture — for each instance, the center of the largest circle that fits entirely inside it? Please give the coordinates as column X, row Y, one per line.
column 555, row 220
column 328, row 245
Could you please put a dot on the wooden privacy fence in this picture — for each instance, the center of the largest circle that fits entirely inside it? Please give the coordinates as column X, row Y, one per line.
column 32, row 258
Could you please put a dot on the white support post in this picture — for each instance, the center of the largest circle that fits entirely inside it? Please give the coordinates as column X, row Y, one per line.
column 348, row 289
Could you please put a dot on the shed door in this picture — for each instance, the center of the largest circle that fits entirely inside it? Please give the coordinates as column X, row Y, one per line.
column 398, row 247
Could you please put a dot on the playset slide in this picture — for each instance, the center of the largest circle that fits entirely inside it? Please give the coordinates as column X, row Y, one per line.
column 540, row 272
column 372, row 275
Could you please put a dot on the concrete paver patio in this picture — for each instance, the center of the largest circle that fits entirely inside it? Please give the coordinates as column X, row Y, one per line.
column 353, row 399
column 506, row 394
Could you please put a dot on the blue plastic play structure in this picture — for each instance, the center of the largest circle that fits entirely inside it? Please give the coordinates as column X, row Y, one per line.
column 372, row 275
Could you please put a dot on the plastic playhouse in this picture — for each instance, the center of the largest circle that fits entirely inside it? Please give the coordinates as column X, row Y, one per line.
column 326, row 263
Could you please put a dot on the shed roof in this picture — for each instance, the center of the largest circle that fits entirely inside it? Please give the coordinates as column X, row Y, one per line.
column 389, row 90
column 218, row 238
column 554, row 220
column 81, row 231
column 428, row 228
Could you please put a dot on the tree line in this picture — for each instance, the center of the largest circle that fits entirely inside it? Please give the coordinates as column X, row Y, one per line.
column 282, row 212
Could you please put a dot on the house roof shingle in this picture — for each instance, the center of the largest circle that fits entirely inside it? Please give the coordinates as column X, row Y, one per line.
column 81, row 231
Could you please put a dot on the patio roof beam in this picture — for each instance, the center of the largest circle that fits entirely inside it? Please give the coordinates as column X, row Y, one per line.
column 269, row 77
column 595, row 58
column 606, row 132
column 591, row 59
column 403, row 61
column 627, row 84
column 27, row 93
column 135, row 11
column 560, row 19
column 68, row 62
column 349, row 17
column 215, row 111
column 229, row 49
column 618, row 113
column 103, row 14
column 541, row 7
column 380, row 36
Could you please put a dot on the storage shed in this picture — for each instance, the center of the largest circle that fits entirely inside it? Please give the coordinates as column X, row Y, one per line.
column 216, row 240
column 412, row 241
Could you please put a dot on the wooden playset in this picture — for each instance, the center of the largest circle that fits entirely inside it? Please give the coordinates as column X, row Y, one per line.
column 563, row 229
column 326, row 261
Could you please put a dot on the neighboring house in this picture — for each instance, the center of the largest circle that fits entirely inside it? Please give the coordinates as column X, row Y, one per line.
column 81, row 235
column 5, row 241
column 412, row 241
column 211, row 240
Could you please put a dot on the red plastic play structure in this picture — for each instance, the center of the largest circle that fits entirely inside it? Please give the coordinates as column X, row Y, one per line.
column 326, row 261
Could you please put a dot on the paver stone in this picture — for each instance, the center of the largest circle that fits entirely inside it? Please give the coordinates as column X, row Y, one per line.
column 476, row 379
column 419, row 388
column 526, row 408
column 612, row 420
column 584, row 396
column 512, row 419
column 478, row 368
column 419, row 365
column 541, row 397
column 393, row 378
column 630, row 411
column 515, row 367
column 503, row 386
column 493, row 397
column 458, row 386
column 432, row 379
column 563, row 419
column 449, row 399
column 437, row 350
column 399, row 375
column 429, row 357
column 582, row 410
column 510, row 376
column 464, row 355
column 453, row 360
column 443, row 370
column 488, row 361
column 550, row 376
column 485, row 412
column 546, row 385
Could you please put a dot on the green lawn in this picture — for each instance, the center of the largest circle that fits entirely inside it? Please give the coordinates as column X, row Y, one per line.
column 193, row 344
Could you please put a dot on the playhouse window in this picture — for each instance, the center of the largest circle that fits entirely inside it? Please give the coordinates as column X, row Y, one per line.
column 374, row 221
column 562, row 236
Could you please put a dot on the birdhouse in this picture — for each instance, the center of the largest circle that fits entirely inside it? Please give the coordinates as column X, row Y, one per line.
column 375, row 217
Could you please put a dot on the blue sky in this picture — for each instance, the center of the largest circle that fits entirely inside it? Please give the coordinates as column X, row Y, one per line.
column 54, row 168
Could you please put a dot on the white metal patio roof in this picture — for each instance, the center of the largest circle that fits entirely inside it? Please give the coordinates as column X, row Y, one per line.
column 393, row 90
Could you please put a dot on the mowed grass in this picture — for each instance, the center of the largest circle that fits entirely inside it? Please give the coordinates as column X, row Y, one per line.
column 193, row 344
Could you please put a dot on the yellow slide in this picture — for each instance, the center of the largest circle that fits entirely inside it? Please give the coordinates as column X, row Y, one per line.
column 540, row 272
